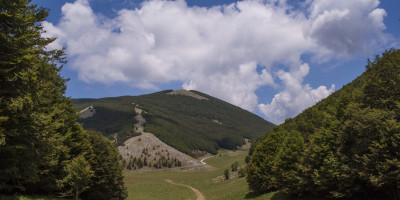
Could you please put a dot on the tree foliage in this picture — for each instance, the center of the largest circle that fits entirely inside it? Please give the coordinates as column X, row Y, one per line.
column 107, row 182
column 227, row 174
column 40, row 140
column 242, row 172
column 345, row 146
column 235, row 166
column 33, row 112
column 78, row 177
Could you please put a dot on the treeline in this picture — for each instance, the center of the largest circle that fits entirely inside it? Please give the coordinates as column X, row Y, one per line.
column 157, row 163
column 155, row 159
column 346, row 146
column 43, row 150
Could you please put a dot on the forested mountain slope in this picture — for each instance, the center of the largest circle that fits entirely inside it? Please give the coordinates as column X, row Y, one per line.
column 346, row 146
column 189, row 121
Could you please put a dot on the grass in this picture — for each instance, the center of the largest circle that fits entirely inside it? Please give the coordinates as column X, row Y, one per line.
column 152, row 188
column 152, row 185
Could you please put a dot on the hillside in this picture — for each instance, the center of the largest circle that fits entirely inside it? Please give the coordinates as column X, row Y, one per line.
column 189, row 121
column 346, row 146
column 147, row 152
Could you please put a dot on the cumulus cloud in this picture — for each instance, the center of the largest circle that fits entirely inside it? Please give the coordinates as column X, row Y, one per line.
column 227, row 51
column 236, row 85
column 344, row 26
column 295, row 97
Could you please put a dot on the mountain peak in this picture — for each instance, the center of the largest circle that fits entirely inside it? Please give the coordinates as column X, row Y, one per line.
column 198, row 123
column 187, row 93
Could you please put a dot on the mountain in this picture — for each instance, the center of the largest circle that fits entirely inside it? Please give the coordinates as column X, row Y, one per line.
column 190, row 121
column 346, row 146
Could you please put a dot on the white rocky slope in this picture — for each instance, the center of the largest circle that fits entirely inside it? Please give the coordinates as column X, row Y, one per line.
column 153, row 149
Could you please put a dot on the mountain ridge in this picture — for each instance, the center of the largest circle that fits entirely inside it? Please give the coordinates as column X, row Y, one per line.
column 185, row 121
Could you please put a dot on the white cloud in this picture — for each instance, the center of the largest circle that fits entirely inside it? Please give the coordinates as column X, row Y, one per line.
column 234, row 86
column 227, row 51
column 296, row 97
column 343, row 26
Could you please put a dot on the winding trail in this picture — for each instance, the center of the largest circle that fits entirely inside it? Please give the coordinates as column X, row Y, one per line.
column 199, row 195
column 202, row 160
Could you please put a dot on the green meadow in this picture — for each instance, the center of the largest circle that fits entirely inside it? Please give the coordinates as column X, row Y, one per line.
column 152, row 185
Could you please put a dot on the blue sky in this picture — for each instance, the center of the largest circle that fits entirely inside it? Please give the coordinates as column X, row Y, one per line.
column 273, row 57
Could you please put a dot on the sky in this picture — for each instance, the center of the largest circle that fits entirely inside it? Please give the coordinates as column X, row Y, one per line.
column 274, row 58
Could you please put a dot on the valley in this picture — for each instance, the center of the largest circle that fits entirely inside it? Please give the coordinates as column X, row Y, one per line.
column 164, row 171
column 145, row 185
column 195, row 178
column 274, row 59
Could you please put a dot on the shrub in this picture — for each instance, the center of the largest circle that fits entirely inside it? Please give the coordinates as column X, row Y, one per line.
column 227, row 174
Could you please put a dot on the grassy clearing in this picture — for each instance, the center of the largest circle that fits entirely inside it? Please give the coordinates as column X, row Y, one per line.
column 152, row 185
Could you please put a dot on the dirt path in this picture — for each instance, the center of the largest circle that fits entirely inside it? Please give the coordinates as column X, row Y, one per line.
column 140, row 120
column 199, row 195
column 202, row 160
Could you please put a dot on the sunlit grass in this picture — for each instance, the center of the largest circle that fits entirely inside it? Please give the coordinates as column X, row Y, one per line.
column 152, row 185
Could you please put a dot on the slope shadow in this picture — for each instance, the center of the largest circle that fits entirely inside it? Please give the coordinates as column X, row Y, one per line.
column 274, row 196
column 252, row 195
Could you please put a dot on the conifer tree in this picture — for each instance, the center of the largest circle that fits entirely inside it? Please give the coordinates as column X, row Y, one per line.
column 40, row 139
column 34, row 114
column 226, row 174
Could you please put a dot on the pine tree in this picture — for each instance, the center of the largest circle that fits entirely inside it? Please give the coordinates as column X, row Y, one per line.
column 129, row 166
column 139, row 163
column 226, row 174
column 235, row 166
column 34, row 114
column 40, row 139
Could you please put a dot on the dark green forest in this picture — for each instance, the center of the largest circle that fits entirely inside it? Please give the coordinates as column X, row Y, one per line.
column 346, row 146
column 186, row 123
column 43, row 149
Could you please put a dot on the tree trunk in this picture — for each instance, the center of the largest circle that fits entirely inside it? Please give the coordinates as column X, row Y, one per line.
column 396, row 191
column 77, row 193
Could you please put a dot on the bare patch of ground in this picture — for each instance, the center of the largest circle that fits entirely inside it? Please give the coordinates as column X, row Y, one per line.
column 203, row 159
column 199, row 195
column 87, row 112
column 187, row 93
column 149, row 147
column 216, row 121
